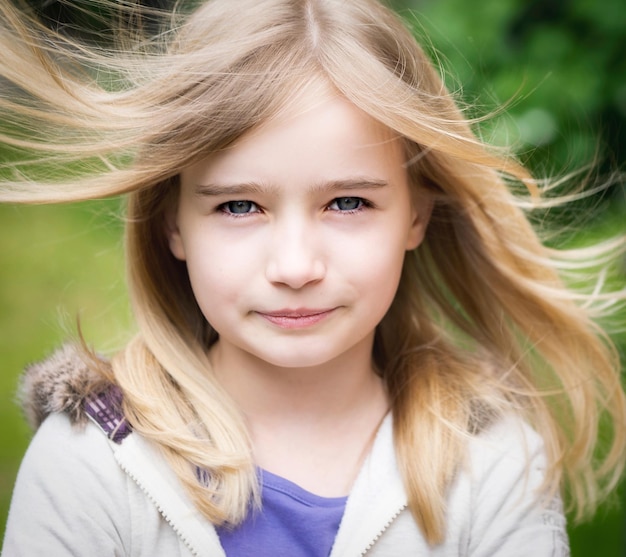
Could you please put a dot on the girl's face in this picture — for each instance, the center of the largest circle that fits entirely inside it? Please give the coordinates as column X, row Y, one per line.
column 294, row 237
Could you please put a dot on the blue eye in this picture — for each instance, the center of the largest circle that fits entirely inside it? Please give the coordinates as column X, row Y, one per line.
column 347, row 204
column 241, row 207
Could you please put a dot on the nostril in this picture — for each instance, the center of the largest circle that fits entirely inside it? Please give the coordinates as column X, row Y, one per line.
column 295, row 272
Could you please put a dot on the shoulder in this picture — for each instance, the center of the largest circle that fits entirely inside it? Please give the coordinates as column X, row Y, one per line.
column 508, row 442
column 69, row 472
column 59, row 441
column 500, row 497
column 496, row 506
column 94, row 496
column 70, row 476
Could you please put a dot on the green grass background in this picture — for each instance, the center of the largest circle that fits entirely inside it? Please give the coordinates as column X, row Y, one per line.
column 58, row 263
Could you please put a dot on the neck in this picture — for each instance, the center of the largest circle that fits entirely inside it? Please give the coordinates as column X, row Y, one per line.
column 311, row 425
column 328, row 391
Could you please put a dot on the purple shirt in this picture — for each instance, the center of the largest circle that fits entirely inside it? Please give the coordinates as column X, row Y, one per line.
column 292, row 523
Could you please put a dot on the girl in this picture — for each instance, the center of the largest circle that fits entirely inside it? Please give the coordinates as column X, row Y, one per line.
column 351, row 341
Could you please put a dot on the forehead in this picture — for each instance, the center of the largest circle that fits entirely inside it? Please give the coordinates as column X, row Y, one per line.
column 317, row 136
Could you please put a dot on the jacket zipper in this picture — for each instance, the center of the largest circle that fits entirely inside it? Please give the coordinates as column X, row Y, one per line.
column 161, row 511
column 383, row 530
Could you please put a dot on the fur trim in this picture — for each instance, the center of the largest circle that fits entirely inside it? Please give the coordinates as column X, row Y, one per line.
column 58, row 384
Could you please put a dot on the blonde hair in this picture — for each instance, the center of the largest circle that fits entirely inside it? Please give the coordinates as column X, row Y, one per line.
column 482, row 323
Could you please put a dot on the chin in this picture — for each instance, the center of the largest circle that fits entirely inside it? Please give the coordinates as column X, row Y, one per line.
column 296, row 362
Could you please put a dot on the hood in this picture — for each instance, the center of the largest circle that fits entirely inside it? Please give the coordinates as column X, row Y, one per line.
column 60, row 384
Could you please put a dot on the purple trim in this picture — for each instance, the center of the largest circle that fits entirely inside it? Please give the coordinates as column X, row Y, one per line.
column 105, row 409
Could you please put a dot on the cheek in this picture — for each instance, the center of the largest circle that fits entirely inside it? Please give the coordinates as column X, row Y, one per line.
column 213, row 280
column 386, row 277
column 375, row 266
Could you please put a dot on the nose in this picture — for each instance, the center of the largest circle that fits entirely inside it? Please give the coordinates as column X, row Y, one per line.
column 294, row 257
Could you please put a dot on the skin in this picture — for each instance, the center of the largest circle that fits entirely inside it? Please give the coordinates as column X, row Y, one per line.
column 294, row 240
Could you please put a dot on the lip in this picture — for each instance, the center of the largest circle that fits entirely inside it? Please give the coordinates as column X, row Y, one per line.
column 296, row 318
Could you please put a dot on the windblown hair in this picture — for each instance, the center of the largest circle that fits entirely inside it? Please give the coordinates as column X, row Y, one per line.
column 482, row 323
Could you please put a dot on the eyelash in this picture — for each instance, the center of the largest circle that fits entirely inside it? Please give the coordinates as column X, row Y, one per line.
column 363, row 204
column 226, row 208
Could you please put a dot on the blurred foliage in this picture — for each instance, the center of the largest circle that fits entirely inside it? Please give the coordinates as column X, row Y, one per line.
column 559, row 64
column 80, row 18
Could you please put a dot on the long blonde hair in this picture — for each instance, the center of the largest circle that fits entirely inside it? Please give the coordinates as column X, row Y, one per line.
column 482, row 323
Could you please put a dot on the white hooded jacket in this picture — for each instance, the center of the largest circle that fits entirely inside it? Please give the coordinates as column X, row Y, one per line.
column 79, row 493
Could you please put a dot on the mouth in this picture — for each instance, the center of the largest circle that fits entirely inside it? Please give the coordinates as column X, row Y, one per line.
column 296, row 318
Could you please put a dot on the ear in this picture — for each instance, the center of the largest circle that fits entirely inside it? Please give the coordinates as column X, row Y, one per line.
column 422, row 209
column 172, row 231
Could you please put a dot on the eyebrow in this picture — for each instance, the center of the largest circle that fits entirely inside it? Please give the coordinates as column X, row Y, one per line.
column 211, row 190
column 365, row 183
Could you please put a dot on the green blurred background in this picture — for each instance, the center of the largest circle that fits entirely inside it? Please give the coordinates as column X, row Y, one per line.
column 559, row 65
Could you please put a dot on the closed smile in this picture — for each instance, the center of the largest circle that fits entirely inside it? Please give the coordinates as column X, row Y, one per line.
column 296, row 318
